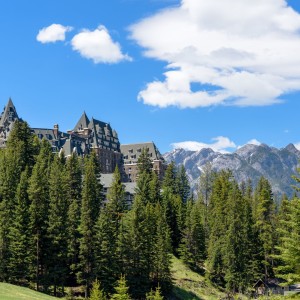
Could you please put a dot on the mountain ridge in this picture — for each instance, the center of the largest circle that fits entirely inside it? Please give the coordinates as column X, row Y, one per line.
column 248, row 162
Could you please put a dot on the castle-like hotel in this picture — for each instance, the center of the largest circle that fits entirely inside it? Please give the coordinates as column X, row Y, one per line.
column 90, row 135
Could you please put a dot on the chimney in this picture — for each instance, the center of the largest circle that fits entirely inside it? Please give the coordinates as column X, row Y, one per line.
column 55, row 130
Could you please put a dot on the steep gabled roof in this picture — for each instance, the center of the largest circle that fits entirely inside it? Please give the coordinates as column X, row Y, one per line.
column 9, row 111
column 82, row 123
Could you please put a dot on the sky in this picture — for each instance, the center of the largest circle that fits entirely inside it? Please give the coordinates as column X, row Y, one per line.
column 185, row 74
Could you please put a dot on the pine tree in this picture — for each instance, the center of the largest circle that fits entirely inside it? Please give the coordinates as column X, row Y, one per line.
column 154, row 295
column 174, row 210
column 170, row 179
column 18, row 156
column 97, row 293
column 107, row 231
column 134, row 248
column 154, row 189
column 90, row 208
column 57, row 230
column 20, row 234
column 161, row 259
column 38, row 192
column 73, row 198
column 183, row 186
column 218, row 207
column 192, row 248
column 237, row 247
column 288, row 258
column 264, row 215
column 121, row 290
column 144, row 162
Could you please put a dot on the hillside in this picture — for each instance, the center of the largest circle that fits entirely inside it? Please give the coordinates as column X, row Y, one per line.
column 190, row 285
column 13, row 292
column 249, row 161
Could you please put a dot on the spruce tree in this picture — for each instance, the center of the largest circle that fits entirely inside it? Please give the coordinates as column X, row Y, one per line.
column 57, row 225
column 107, row 231
column 170, row 179
column 20, row 233
column 183, row 186
column 144, row 162
column 264, row 216
column 133, row 248
column 161, row 257
column 192, row 248
column 154, row 189
column 96, row 292
column 91, row 201
column 38, row 192
column 218, row 207
column 73, row 199
column 288, row 258
column 18, row 155
column 121, row 290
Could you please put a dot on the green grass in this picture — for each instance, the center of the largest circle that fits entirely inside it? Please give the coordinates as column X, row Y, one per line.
column 189, row 285
column 13, row 292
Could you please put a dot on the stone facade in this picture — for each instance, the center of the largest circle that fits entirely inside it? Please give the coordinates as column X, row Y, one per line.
column 131, row 153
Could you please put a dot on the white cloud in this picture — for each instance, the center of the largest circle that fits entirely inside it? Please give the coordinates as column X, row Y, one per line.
column 98, row 46
column 254, row 142
column 251, row 142
column 297, row 145
column 219, row 144
column 239, row 52
column 53, row 33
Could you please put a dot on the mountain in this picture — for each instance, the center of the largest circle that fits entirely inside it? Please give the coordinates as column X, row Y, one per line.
column 249, row 161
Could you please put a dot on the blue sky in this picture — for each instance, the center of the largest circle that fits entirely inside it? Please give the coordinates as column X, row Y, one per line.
column 191, row 73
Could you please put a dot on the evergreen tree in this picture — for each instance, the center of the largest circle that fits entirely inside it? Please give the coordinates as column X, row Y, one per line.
column 73, row 198
column 18, row 156
column 107, row 231
column 288, row 257
column 38, row 192
column 121, row 290
column 237, row 247
column 174, row 211
column 134, row 248
column 154, row 189
column 264, row 215
column 96, row 292
column 183, row 186
column 154, row 295
column 170, row 179
column 192, row 247
column 217, row 208
column 20, row 234
column 90, row 208
column 161, row 260
column 144, row 162
column 57, row 230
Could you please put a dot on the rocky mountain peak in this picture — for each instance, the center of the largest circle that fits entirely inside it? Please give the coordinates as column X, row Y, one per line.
column 250, row 161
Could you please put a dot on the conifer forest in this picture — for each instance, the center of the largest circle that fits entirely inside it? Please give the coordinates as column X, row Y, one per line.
column 58, row 231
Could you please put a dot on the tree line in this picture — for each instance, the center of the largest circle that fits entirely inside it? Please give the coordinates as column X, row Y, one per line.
column 57, row 230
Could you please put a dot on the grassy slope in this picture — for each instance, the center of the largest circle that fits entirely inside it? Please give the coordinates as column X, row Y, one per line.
column 189, row 285
column 13, row 292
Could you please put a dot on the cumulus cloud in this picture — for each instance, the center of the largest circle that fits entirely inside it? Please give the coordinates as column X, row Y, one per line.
column 53, row 33
column 236, row 52
column 98, row 46
column 219, row 144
